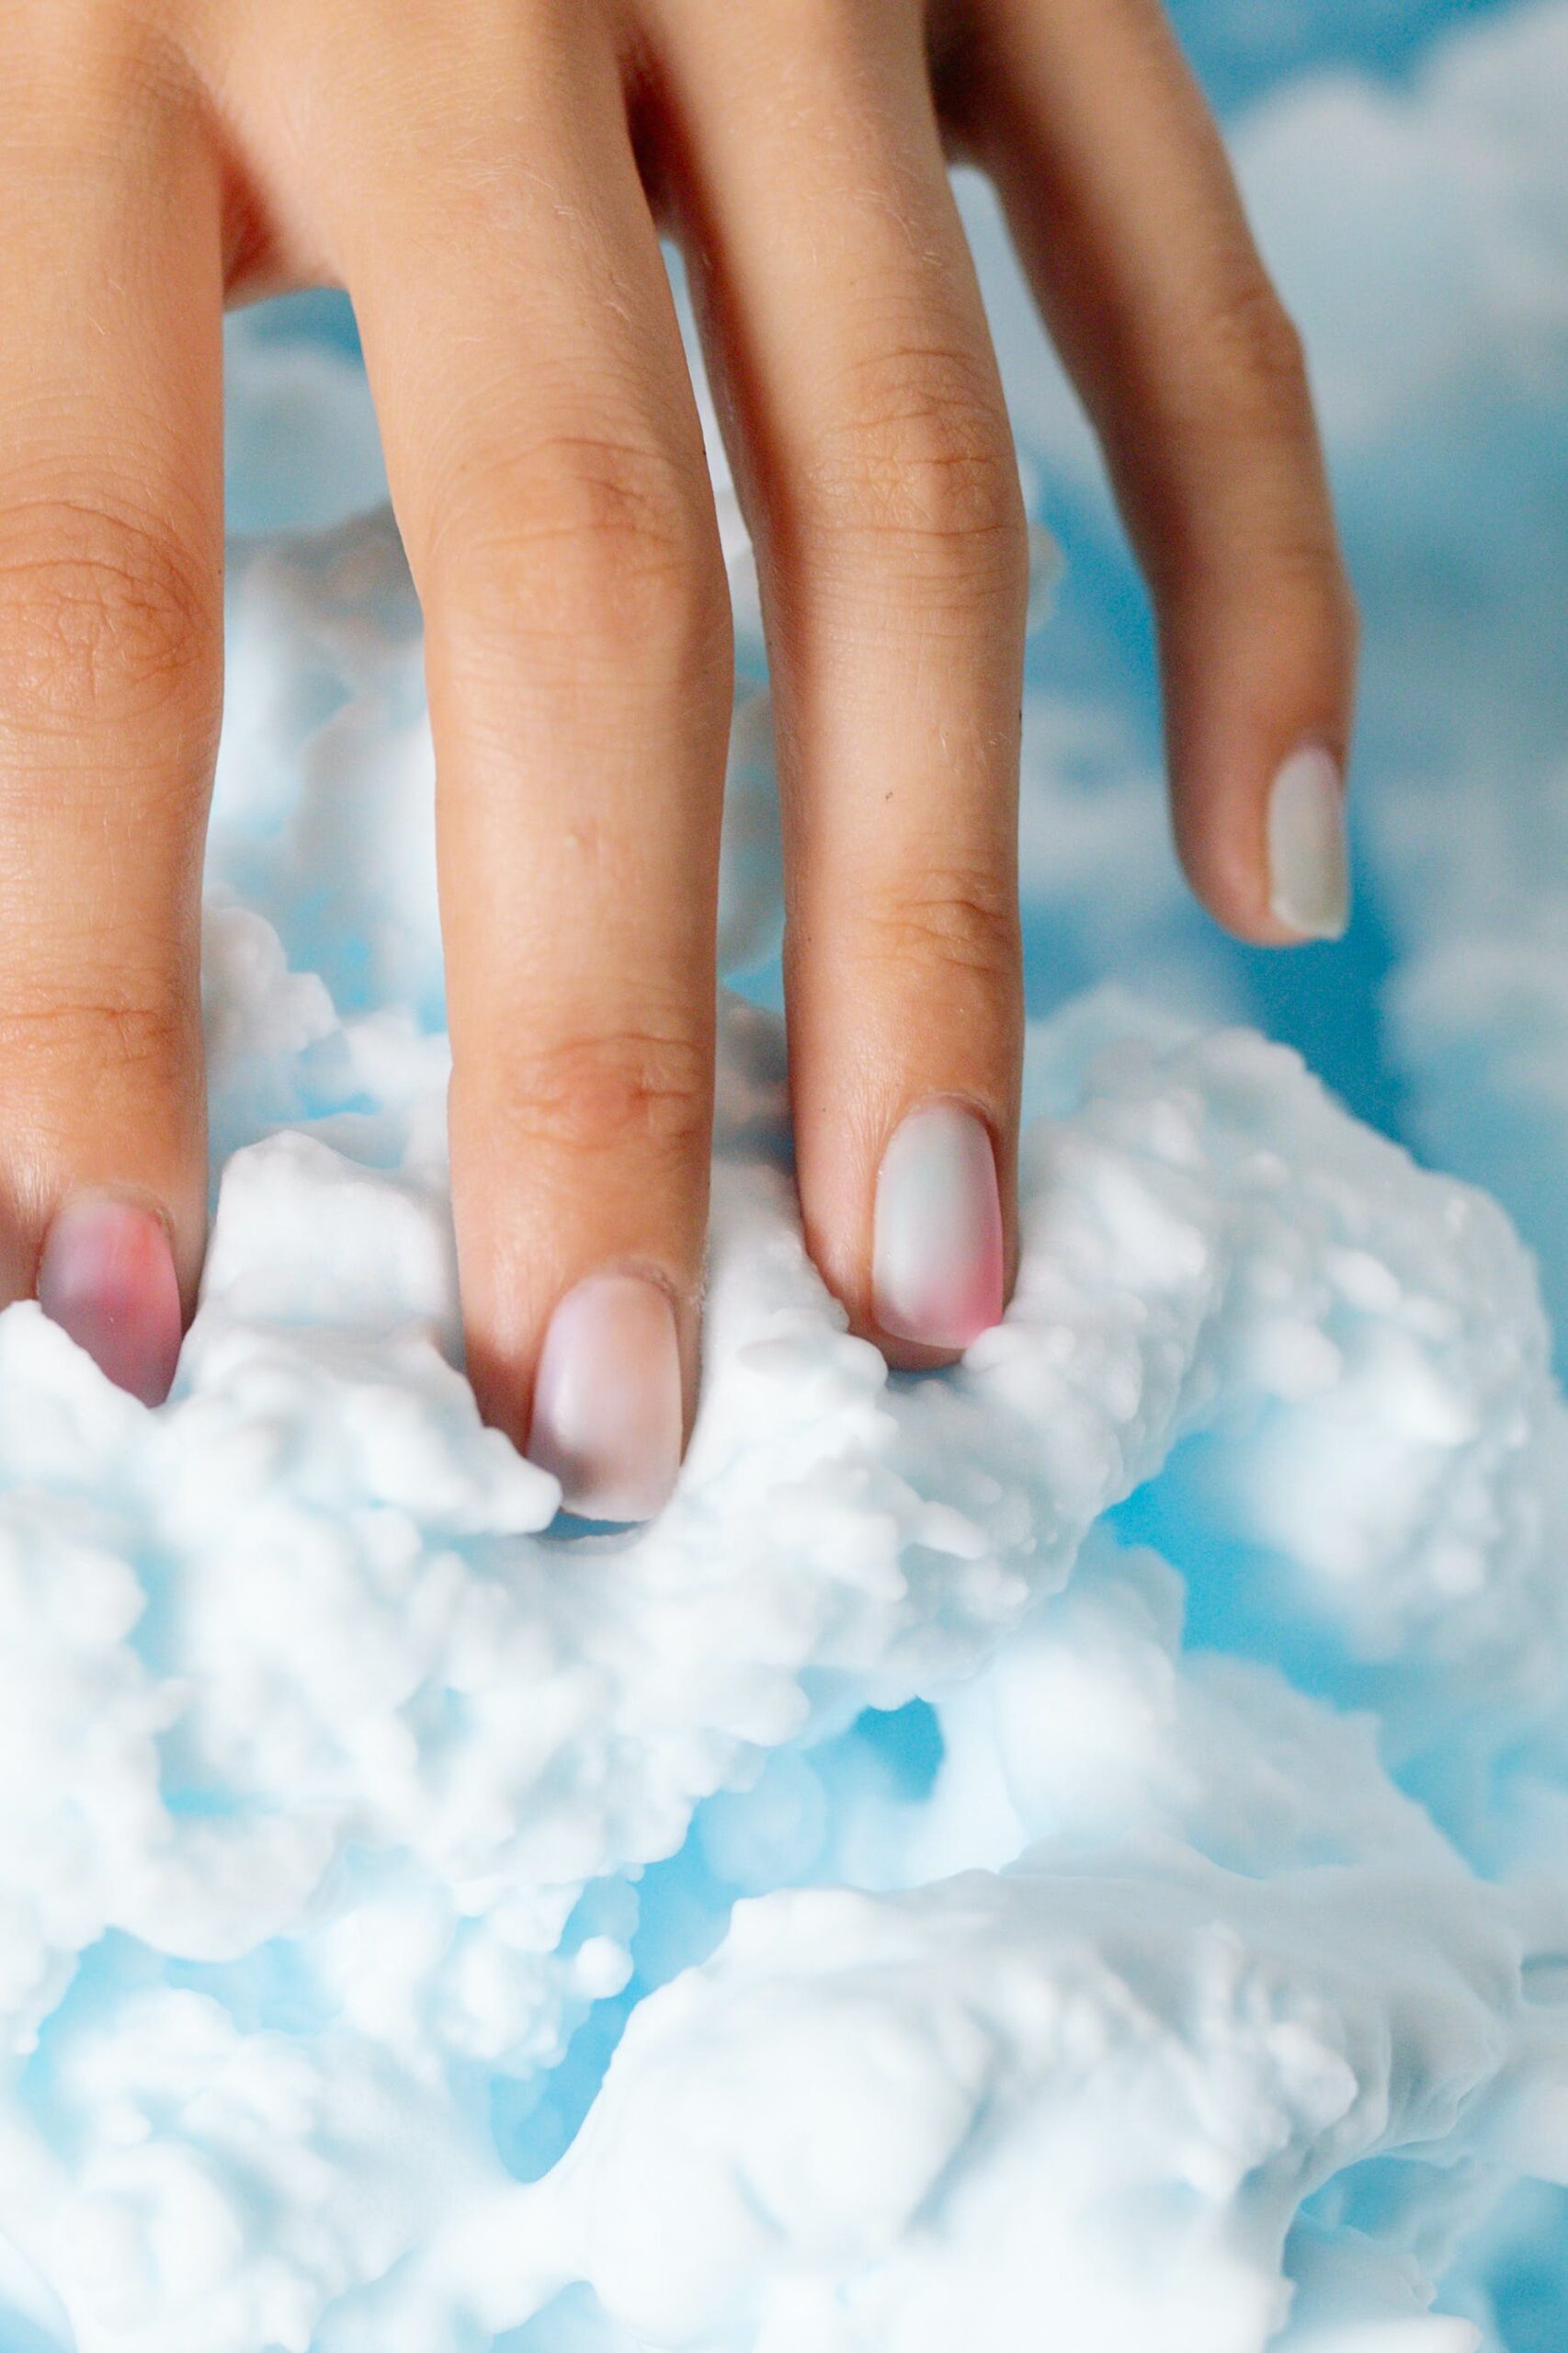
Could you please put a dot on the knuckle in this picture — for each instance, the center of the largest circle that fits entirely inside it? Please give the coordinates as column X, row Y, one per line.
column 1252, row 358
column 961, row 924
column 1303, row 586
column 922, row 462
column 94, row 1026
column 109, row 51
column 1344, row 612
column 638, row 1090
column 104, row 621
column 585, row 540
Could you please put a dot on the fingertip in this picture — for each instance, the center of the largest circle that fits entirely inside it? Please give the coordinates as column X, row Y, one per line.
column 107, row 1277
column 1258, row 666
column 1271, row 862
column 608, row 1408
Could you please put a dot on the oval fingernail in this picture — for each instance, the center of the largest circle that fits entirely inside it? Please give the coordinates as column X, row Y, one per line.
column 607, row 1416
column 1309, row 871
column 936, row 1255
column 107, row 1277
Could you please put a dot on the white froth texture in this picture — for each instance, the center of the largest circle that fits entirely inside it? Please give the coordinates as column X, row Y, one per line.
column 330, row 1780
column 1073, row 2104
column 1067, row 1852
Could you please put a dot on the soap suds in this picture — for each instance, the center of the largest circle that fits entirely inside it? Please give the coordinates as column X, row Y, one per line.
column 307, row 1896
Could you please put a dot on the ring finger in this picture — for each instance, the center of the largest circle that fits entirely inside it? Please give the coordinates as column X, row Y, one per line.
column 874, row 456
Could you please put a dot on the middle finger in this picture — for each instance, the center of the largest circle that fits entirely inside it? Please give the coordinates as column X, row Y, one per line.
column 547, row 466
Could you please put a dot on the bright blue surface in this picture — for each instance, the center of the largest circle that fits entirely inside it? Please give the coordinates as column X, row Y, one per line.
column 1239, row 47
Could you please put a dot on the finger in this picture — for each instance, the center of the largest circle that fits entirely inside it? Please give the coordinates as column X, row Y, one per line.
column 110, row 636
column 548, row 469
column 1126, row 215
column 878, row 475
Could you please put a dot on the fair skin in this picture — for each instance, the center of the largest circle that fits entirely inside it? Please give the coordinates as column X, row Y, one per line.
column 489, row 179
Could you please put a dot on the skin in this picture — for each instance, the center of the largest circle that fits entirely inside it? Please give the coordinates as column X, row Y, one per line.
column 489, row 179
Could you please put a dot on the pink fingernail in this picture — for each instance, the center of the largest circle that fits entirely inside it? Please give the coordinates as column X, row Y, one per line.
column 937, row 1252
column 607, row 1418
column 107, row 1277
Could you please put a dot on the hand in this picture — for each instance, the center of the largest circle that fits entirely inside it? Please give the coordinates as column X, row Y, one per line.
column 487, row 178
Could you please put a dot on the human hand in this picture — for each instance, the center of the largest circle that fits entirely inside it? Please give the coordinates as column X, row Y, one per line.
column 488, row 178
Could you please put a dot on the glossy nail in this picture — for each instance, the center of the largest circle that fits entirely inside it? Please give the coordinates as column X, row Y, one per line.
column 107, row 1277
column 936, row 1257
column 1308, row 876
column 607, row 1418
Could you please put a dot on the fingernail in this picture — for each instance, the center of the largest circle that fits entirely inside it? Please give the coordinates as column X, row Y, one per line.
column 936, row 1268
column 107, row 1277
column 607, row 1418
column 1308, row 876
